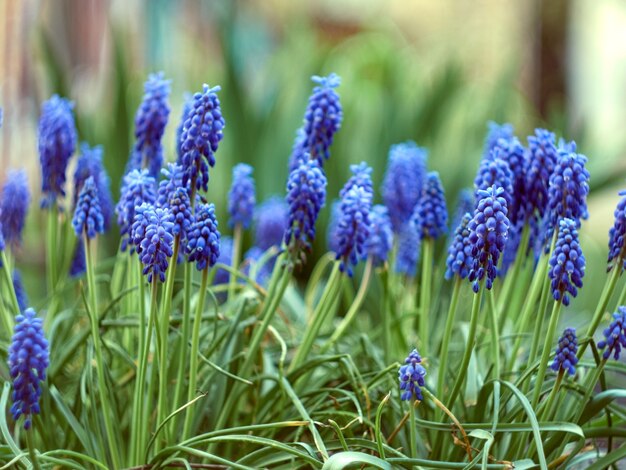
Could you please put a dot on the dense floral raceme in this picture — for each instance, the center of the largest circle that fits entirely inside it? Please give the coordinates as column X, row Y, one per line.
column 153, row 237
column 617, row 235
column 488, row 234
column 298, row 150
column 20, row 292
column 411, row 376
column 225, row 257
column 90, row 164
column 57, row 142
column 14, row 206
column 173, row 179
column 78, row 266
column 202, row 133
column 203, row 238
column 542, row 159
column 88, row 217
column 567, row 194
column 409, row 244
column 514, row 154
column 465, row 203
column 497, row 134
column 241, row 197
column 138, row 187
column 565, row 355
column 432, row 207
column 306, row 195
column 28, row 360
column 187, row 106
column 402, row 184
column 567, row 263
column 615, row 335
column 353, row 227
column 179, row 207
column 322, row 118
column 361, row 176
column 380, row 240
column 494, row 171
column 270, row 221
column 460, row 261
column 332, row 233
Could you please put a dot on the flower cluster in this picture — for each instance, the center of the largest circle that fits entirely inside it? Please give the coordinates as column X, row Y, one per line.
column 14, row 206
column 411, row 376
column 514, row 154
column 460, row 261
column 617, row 235
column 432, row 208
column 497, row 135
column 409, row 243
column 28, row 361
column 615, row 335
column 353, row 227
column 567, row 263
column 271, row 222
column 90, row 164
column 565, row 354
column 179, row 207
column 187, row 105
column 152, row 234
column 203, row 245
column 542, row 161
column 138, row 188
column 241, row 197
column 88, row 216
column 201, row 135
column 57, row 142
column 488, row 233
column 380, row 240
column 494, row 172
column 173, row 179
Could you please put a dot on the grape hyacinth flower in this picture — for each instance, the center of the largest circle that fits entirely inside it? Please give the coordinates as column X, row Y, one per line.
column 203, row 238
column 432, row 208
column 565, row 355
column 138, row 188
column 514, row 154
column 241, row 197
column 353, row 227
column 411, row 376
column 88, row 216
column 56, row 144
column 20, row 292
column 460, row 260
column 90, row 164
column 173, row 173
column 225, row 257
column 615, row 335
column 617, row 235
column 179, row 207
column 465, row 203
column 541, row 163
column 567, row 263
column 495, row 171
column 153, row 237
column 306, row 195
column 497, row 134
column 361, row 176
column 28, row 361
column 14, row 206
column 187, row 105
column 409, row 244
column 322, row 118
column 402, row 184
column 79, row 263
column 298, row 150
column 202, row 133
column 271, row 222
column 150, row 122
column 380, row 239
column 488, row 233
column 332, row 234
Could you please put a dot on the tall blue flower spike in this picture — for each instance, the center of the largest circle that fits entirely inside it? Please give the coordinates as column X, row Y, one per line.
column 179, row 207
column 150, row 121
column 332, row 234
column 542, row 159
column 88, row 216
column 565, row 355
column 432, row 207
column 306, row 195
column 460, row 260
column 514, row 154
column 465, row 203
column 409, row 245
column 14, row 206
column 57, row 142
column 79, row 263
column 617, row 235
column 361, row 176
column 138, row 188
column 20, row 292
column 615, row 335
column 90, row 164
column 411, row 377
column 28, row 361
column 271, row 222
column 497, row 134
column 203, row 245
column 322, row 118
column 488, row 233
column 403, row 181
column 353, row 227
column 567, row 263
column 495, row 172
column 241, row 197
column 202, row 132
column 173, row 179
column 187, row 106
column 153, row 238
column 225, row 257
column 380, row 240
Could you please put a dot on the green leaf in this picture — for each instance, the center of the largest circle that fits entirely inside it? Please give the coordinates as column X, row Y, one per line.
column 599, row 402
column 354, row 460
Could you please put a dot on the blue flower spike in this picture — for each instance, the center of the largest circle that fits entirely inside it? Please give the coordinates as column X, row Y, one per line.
column 567, row 263
column 617, row 236
column 565, row 355
column 271, row 219
column 203, row 244
column 241, row 197
column 88, row 217
column 14, row 206
column 615, row 335
column 153, row 237
column 460, row 260
column 138, row 187
column 380, row 240
column 432, row 208
column 411, row 377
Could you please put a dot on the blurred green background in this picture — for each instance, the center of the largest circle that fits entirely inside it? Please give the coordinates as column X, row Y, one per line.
column 434, row 72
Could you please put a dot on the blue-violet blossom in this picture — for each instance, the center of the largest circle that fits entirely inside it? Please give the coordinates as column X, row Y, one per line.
column 615, row 335
column 565, row 355
column 567, row 263
column 153, row 237
column 411, row 376
column 14, row 206
column 87, row 215
column 432, row 208
column 203, row 238
column 241, row 197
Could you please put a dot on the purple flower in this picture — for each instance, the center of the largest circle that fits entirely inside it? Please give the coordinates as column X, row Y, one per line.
column 495, row 172
column 380, row 239
column 271, row 222
column 541, row 163
column 138, row 188
column 187, row 106
column 567, row 263
column 411, row 376
column 409, row 244
column 225, row 257
column 78, row 266
column 203, row 238
column 88, row 216
column 20, row 292
column 615, row 335
column 465, row 203
column 617, row 235
column 498, row 134
column 90, row 164
column 432, row 208
column 460, row 260
column 565, row 354
column 153, row 237
column 14, row 206
column 241, row 197
column 353, row 227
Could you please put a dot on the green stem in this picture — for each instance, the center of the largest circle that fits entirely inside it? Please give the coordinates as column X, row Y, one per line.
column 543, row 305
column 9, row 279
column 447, row 335
column 622, row 298
column 320, row 314
column 237, row 240
column 107, row 411
column 495, row 337
column 412, row 431
column 137, row 425
column 51, row 253
column 31, row 449
column 385, row 313
column 428, row 249
column 354, row 308
column 545, row 354
column 548, row 410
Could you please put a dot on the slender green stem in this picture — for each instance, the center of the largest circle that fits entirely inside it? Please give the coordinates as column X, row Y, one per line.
column 469, row 347
column 540, row 320
column 428, row 249
column 51, row 253
column 354, row 308
column 495, row 336
column 107, row 410
column 545, row 354
column 137, row 425
column 324, row 306
column 385, row 313
column 548, row 410
column 412, row 431
column 195, row 346
column 11, row 289
column 31, row 449
column 447, row 335
column 237, row 240
column 622, row 298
